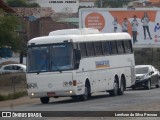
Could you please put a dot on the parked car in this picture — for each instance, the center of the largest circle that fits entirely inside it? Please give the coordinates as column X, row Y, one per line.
column 11, row 68
column 146, row 76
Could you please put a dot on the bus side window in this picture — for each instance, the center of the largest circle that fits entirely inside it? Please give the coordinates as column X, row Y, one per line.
column 128, row 46
column 120, row 47
column 114, row 47
column 98, row 48
column 83, row 49
column 106, row 48
column 90, row 49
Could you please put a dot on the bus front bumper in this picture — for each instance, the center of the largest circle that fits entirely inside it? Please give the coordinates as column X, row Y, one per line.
column 51, row 94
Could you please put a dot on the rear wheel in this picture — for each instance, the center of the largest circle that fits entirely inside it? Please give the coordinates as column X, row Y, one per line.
column 122, row 88
column 114, row 92
column 44, row 100
column 133, row 87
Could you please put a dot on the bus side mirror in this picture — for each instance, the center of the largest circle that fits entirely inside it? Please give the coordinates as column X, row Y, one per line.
column 77, row 65
column 78, row 55
column 78, row 58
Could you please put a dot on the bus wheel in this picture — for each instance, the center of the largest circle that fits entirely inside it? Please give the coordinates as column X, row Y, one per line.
column 114, row 92
column 85, row 95
column 44, row 100
column 122, row 88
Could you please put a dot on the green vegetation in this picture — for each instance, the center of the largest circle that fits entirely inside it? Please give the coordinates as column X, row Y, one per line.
column 147, row 56
column 21, row 3
column 111, row 3
column 11, row 96
column 9, row 36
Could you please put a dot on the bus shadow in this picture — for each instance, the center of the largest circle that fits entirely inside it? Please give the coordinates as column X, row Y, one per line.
column 140, row 89
column 76, row 100
column 69, row 100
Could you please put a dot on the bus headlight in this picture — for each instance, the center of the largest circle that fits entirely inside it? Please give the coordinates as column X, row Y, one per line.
column 32, row 86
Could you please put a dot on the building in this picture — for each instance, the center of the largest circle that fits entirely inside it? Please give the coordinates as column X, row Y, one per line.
column 86, row 3
column 64, row 6
column 59, row 6
column 144, row 3
column 5, row 7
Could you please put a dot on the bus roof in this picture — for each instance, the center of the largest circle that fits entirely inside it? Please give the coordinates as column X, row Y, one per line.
column 79, row 38
column 74, row 31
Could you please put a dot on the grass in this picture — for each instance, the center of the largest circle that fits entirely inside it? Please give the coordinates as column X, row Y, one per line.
column 11, row 96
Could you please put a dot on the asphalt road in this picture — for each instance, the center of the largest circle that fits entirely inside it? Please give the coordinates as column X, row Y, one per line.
column 98, row 102
column 132, row 100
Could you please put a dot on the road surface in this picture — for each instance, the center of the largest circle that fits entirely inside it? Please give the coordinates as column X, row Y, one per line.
column 133, row 100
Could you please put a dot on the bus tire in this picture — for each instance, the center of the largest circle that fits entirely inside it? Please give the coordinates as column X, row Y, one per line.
column 85, row 96
column 122, row 87
column 114, row 92
column 44, row 100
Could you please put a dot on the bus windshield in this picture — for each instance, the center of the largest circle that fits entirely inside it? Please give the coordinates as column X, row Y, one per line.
column 54, row 57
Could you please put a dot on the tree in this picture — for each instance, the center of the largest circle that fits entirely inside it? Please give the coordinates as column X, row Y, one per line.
column 17, row 3
column 111, row 3
column 21, row 3
column 8, row 36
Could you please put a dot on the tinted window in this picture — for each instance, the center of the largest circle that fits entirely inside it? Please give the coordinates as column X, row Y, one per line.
column 83, row 49
column 98, row 48
column 142, row 70
column 106, row 48
column 128, row 46
column 8, row 68
column 90, row 49
column 120, row 46
column 114, row 47
column 16, row 68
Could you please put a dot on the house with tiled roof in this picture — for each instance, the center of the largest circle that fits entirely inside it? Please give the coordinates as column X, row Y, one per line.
column 5, row 7
column 87, row 3
column 144, row 3
column 155, row 3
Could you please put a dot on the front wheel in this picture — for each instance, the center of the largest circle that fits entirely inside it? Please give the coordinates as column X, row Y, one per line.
column 85, row 95
column 44, row 100
column 148, row 85
column 158, row 83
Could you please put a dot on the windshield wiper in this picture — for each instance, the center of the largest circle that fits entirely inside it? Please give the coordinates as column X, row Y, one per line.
column 41, row 71
column 56, row 66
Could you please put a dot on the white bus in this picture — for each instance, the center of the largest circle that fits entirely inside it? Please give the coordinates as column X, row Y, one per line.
column 79, row 62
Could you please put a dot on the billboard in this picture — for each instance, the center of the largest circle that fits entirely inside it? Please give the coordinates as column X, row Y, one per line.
column 143, row 24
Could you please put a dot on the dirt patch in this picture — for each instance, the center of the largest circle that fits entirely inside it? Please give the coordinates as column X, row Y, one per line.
column 10, row 83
